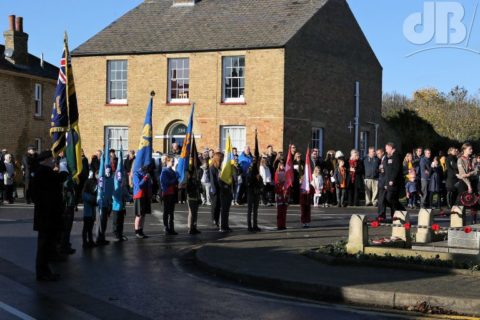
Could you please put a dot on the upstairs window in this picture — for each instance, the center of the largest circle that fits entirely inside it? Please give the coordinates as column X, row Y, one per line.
column 178, row 80
column 117, row 73
column 38, row 100
column 234, row 79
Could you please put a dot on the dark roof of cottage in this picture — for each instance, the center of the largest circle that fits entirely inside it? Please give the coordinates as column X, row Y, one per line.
column 155, row 26
column 33, row 68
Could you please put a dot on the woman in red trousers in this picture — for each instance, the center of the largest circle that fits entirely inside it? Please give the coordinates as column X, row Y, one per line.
column 281, row 196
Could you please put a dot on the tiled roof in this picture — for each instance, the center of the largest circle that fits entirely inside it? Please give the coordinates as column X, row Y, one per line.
column 33, row 68
column 156, row 26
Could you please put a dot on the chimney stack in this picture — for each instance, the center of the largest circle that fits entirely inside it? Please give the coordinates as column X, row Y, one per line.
column 17, row 41
column 19, row 27
column 11, row 22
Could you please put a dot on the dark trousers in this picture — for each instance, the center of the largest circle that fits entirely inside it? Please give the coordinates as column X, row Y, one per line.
column 8, row 193
column 381, row 201
column 253, row 200
column 45, row 249
column 101, row 223
column 392, row 201
column 225, row 203
column 192, row 214
column 87, row 231
column 341, row 196
column 2, row 188
column 27, row 191
column 282, row 216
column 305, row 208
column 353, row 194
column 268, row 194
column 168, row 212
column 68, row 216
column 216, row 206
column 117, row 223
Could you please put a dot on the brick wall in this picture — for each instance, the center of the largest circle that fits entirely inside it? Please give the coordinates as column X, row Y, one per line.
column 263, row 94
column 19, row 127
column 323, row 61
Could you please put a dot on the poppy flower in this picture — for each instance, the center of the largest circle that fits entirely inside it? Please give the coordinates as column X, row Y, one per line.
column 435, row 227
column 380, row 219
column 407, row 226
column 374, row 224
column 467, row 229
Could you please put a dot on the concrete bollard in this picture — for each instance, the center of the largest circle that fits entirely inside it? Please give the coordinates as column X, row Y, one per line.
column 457, row 217
column 357, row 234
column 398, row 229
column 425, row 219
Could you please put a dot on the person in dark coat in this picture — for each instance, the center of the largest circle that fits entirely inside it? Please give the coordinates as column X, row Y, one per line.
column 47, row 194
column 169, row 182
column 435, row 182
column 451, row 180
column 254, row 193
column 95, row 162
column 82, row 179
column 381, row 183
column 355, row 173
column 214, row 176
column 394, row 180
column 3, row 169
column 28, row 163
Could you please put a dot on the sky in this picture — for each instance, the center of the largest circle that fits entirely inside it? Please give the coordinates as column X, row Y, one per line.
column 445, row 65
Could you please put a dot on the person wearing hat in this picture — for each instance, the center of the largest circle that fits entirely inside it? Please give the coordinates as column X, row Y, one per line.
column 28, row 161
column 47, row 187
column 142, row 199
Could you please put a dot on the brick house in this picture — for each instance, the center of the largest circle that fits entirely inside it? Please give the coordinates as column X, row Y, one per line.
column 286, row 67
column 27, row 86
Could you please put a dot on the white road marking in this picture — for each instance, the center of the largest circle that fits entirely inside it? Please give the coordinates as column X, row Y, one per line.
column 17, row 313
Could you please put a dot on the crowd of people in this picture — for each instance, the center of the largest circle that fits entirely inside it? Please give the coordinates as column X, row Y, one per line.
column 380, row 179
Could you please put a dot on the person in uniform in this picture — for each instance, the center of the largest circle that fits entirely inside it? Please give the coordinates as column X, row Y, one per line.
column 169, row 182
column 394, row 180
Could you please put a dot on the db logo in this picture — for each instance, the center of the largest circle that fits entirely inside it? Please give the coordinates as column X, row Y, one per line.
column 440, row 22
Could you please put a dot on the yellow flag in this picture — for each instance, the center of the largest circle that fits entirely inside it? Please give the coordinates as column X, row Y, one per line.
column 227, row 170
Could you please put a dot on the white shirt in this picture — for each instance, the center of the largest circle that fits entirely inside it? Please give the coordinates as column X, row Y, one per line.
column 266, row 175
column 317, row 182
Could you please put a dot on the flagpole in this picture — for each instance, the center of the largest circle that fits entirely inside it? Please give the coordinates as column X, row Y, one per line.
column 67, row 82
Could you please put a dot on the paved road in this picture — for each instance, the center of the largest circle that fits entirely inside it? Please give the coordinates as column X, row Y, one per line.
column 149, row 279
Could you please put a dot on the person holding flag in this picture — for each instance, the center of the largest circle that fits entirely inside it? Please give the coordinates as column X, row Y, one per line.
column 184, row 160
column 225, row 184
column 169, row 183
column 283, row 183
column 254, row 189
column 142, row 182
column 306, row 192
column 104, row 198
column 64, row 129
column 120, row 197
column 194, row 189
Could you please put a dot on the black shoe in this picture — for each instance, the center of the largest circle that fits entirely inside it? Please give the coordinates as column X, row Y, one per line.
column 257, row 229
column 102, row 243
column 58, row 258
column 282, row 228
column 48, row 277
column 172, row 233
column 194, row 231
column 250, row 229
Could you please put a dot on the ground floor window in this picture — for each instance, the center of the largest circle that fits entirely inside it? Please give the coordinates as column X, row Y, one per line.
column 117, row 138
column 317, row 140
column 38, row 144
column 364, row 137
column 237, row 135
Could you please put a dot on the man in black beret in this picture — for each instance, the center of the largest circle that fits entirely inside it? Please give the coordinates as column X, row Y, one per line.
column 47, row 186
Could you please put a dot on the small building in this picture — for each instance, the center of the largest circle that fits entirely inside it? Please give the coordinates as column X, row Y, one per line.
column 27, row 87
column 288, row 68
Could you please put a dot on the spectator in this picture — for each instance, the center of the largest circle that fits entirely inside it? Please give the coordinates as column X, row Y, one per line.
column 214, row 177
column 435, row 182
column 381, row 184
column 411, row 189
column 268, row 187
column 8, row 179
column 298, row 170
column 425, row 169
column 356, row 171
column 371, row 164
column 205, row 180
column 245, row 161
column 317, row 183
column 341, row 182
column 28, row 162
column 451, row 179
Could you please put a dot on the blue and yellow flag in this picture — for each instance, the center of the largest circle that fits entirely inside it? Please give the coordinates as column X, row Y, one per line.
column 183, row 161
column 227, row 165
column 64, row 129
column 144, row 154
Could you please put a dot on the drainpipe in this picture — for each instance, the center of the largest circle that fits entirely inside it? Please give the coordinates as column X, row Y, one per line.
column 357, row 114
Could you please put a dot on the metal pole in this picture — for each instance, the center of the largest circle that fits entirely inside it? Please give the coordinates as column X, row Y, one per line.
column 357, row 113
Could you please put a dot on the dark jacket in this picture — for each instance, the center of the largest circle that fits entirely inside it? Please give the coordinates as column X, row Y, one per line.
column 338, row 177
column 48, row 198
column 435, row 179
column 254, row 185
column 452, row 171
column 394, row 171
column 381, row 172
column 371, row 167
column 214, row 179
column 28, row 163
column 425, row 168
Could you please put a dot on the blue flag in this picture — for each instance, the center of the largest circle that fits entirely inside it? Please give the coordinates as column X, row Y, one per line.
column 184, row 160
column 144, row 154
